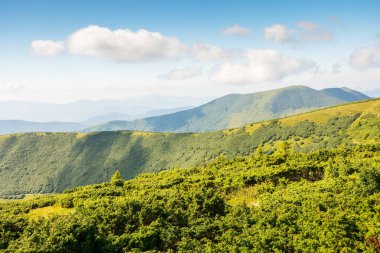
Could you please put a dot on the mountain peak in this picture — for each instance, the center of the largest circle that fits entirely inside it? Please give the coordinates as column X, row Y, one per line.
column 236, row 110
column 345, row 94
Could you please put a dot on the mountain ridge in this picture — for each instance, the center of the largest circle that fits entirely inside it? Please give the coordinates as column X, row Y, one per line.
column 24, row 126
column 236, row 110
column 81, row 110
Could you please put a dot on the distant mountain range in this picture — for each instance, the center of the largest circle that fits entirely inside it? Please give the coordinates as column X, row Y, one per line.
column 156, row 113
column 83, row 110
column 236, row 110
column 19, row 116
column 20, row 126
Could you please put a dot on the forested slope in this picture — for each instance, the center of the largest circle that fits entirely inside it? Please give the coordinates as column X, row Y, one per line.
column 53, row 162
column 281, row 201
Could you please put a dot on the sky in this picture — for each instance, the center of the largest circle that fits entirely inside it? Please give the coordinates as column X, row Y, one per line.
column 62, row 51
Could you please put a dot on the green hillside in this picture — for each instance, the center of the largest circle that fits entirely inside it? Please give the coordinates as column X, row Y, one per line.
column 282, row 201
column 237, row 110
column 53, row 162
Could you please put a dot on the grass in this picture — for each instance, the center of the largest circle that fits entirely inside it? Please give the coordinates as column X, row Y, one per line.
column 230, row 131
column 322, row 115
column 41, row 134
column 81, row 135
column 145, row 134
column 48, row 211
column 252, row 128
column 244, row 196
column 5, row 136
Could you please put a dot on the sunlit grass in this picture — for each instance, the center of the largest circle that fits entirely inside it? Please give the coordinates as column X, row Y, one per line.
column 321, row 116
column 139, row 133
column 244, row 196
column 48, row 211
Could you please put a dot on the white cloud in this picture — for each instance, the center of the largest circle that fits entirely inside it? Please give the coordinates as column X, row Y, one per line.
column 264, row 65
column 313, row 32
column 47, row 47
column 366, row 58
column 123, row 45
column 310, row 26
column 209, row 53
column 236, row 30
column 278, row 33
column 305, row 32
column 183, row 73
column 12, row 87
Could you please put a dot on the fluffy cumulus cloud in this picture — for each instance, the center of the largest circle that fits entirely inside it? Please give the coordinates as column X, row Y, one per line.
column 263, row 65
column 366, row 58
column 183, row 73
column 209, row 53
column 47, row 47
column 123, row 45
column 236, row 30
column 305, row 31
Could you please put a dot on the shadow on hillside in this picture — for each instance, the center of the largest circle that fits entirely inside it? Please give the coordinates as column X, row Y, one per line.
column 96, row 157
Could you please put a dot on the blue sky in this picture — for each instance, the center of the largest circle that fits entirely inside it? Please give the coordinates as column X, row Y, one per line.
column 186, row 48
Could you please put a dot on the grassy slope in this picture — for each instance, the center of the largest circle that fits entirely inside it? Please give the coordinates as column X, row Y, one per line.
column 52, row 162
column 238, row 110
